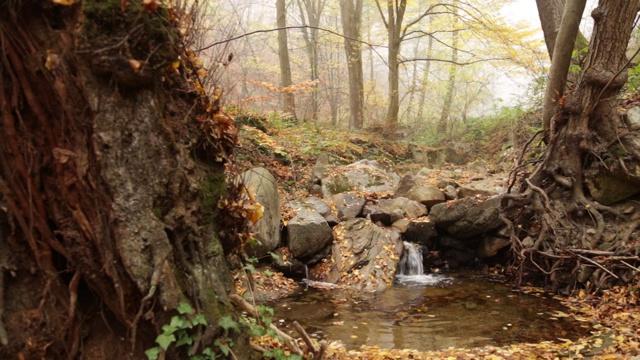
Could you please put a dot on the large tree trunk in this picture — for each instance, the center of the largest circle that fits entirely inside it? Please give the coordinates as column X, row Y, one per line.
column 102, row 170
column 289, row 105
column 550, row 13
column 587, row 141
column 351, row 12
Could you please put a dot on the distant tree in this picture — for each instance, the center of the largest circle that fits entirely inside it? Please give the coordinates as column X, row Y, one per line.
column 283, row 52
column 351, row 12
column 453, row 71
column 310, row 14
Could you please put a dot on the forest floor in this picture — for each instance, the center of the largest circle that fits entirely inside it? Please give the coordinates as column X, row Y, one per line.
column 289, row 150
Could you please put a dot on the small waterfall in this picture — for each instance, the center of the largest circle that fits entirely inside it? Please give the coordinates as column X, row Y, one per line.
column 411, row 263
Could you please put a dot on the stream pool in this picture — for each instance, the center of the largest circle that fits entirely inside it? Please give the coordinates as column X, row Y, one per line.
column 429, row 312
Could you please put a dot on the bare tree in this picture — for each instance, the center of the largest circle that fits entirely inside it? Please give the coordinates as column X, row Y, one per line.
column 289, row 104
column 351, row 12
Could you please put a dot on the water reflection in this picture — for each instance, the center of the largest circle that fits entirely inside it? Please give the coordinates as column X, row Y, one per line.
column 429, row 313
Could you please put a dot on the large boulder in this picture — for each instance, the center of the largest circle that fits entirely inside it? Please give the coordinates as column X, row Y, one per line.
column 421, row 231
column 364, row 175
column 388, row 211
column 308, row 233
column 608, row 189
column 426, row 195
column 347, row 205
column 488, row 187
column 490, row 245
column 260, row 183
column 364, row 257
column 467, row 217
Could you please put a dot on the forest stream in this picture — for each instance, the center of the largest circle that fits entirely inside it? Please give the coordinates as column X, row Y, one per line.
column 461, row 309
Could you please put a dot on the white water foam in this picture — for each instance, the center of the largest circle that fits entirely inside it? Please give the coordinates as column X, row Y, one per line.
column 411, row 269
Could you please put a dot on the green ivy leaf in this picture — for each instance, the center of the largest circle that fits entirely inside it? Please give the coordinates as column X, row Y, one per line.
column 226, row 322
column 199, row 320
column 164, row 340
column 184, row 339
column 274, row 255
column 223, row 347
column 153, row 353
column 185, row 308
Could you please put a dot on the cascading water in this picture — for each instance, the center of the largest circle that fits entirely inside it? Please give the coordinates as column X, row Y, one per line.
column 411, row 263
column 411, row 269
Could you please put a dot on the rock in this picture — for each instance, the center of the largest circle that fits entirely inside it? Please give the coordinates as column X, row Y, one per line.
column 263, row 186
column 348, row 205
column 364, row 257
column 633, row 118
column 457, row 154
column 467, row 217
column 490, row 245
column 404, row 185
column 401, row 225
column 448, row 242
column 450, row 193
column 443, row 183
column 457, row 258
column 424, row 172
column 320, row 206
column 285, row 262
column 307, row 232
column 421, row 231
column 319, row 170
column 478, row 165
column 388, row 211
column 608, row 189
column 488, row 187
column 364, row 175
column 426, row 195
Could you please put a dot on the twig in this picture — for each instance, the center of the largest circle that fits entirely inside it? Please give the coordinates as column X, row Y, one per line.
column 598, row 265
column 4, row 340
column 243, row 305
column 305, row 337
column 629, row 265
column 591, row 252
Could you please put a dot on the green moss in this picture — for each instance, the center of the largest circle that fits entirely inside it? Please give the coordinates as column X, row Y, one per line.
column 213, row 189
column 339, row 185
column 133, row 33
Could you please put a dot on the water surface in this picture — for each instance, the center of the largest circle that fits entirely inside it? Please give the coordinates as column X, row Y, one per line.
column 427, row 312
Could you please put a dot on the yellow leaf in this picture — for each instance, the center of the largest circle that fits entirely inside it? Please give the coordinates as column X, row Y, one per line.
column 175, row 64
column 64, row 2
column 135, row 65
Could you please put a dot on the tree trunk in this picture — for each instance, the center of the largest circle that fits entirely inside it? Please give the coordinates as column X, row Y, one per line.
column 453, row 71
column 550, row 13
column 101, row 168
column 582, row 147
column 569, row 29
column 313, row 10
column 289, row 105
column 395, row 16
column 351, row 12
column 425, row 80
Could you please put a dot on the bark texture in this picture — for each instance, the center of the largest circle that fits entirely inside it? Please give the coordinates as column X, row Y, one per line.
column 351, row 12
column 289, row 105
column 103, row 171
column 582, row 146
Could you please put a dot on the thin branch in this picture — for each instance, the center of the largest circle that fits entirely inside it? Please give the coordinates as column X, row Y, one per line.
column 453, row 62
